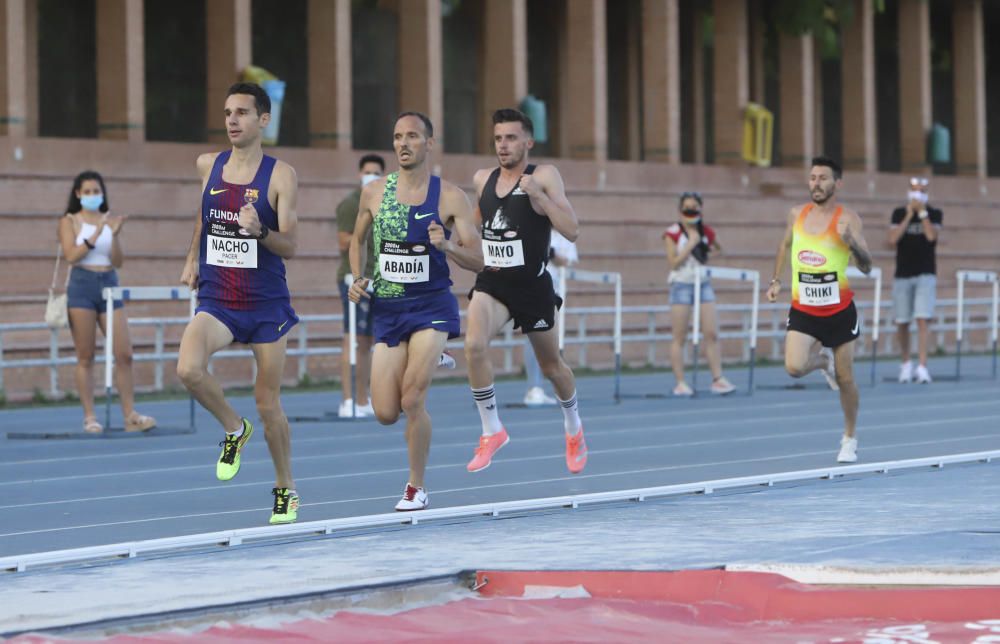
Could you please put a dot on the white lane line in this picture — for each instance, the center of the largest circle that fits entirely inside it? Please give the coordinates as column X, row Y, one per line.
column 578, row 477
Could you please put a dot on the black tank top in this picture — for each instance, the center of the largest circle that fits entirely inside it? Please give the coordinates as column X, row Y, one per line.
column 516, row 238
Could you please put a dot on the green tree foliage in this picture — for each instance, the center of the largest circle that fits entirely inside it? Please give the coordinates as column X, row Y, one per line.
column 821, row 18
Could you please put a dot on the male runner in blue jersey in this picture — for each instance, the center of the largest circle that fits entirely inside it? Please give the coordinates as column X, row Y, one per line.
column 244, row 232
column 413, row 215
column 519, row 203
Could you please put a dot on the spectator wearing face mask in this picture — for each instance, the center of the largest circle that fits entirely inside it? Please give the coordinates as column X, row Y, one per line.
column 688, row 244
column 356, row 403
column 914, row 234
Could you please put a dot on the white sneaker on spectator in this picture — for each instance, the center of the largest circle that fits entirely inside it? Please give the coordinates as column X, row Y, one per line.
column 923, row 376
column 446, row 361
column 537, row 397
column 683, row 390
column 359, row 411
column 829, row 371
column 906, row 372
column 848, row 450
column 721, row 387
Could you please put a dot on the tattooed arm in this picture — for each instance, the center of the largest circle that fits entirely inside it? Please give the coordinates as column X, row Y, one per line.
column 849, row 228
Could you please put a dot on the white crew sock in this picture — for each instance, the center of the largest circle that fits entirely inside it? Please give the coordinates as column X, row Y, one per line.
column 571, row 414
column 486, row 401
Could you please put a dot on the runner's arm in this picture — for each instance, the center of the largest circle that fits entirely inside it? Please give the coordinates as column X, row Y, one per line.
column 468, row 252
column 784, row 248
column 855, row 240
column 282, row 242
column 358, row 254
column 551, row 200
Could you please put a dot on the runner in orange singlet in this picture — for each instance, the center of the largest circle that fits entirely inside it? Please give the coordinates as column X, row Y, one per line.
column 823, row 322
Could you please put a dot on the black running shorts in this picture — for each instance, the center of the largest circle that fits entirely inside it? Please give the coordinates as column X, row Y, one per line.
column 832, row 331
column 531, row 304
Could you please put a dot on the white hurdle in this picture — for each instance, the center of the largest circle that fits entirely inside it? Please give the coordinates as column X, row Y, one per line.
column 579, row 275
column 981, row 277
column 725, row 273
column 876, row 274
column 136, row 293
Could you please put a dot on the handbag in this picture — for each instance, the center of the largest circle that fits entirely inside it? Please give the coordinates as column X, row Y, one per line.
column 56, row 312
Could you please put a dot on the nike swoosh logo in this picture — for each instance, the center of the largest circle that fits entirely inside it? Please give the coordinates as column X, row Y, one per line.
column 857, row 324
column 213, row 191
column 282, row 326
column 438, row 321
column 424, row 215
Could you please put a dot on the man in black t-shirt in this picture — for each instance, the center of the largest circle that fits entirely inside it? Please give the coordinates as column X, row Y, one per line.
column 914, row 233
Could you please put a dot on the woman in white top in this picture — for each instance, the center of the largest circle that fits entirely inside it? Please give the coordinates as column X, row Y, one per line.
column 688, row 244
column 88, row 234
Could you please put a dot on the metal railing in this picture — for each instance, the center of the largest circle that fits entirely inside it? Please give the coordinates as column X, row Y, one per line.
column 645, row 326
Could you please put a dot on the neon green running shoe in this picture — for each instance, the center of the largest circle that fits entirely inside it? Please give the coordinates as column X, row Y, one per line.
column 286, row 505
column 229, row 460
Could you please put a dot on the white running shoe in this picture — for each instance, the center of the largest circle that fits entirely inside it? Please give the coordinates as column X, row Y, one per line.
column 446, row 361
column 906, row 372
column 923, row 376
column 360, row 411
column 414, row 498
column 536, row 397
column 721, row 387
column 683, row 390
column 829, row 371
column 848, row 450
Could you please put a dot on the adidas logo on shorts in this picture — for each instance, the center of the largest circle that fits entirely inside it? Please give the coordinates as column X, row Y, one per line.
column 541, row 324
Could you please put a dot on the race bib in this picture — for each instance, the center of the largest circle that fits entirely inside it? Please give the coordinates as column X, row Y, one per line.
column 818, row 289
column 503, row 254
column 404, row 262
column 226, row 246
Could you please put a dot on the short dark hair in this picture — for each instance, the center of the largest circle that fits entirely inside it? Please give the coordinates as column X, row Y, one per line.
column 428, row 126
column 74, row 204
column 829, row 163
column 260, row 98
column 510, row 115
column 372, row 158
column 690, row 194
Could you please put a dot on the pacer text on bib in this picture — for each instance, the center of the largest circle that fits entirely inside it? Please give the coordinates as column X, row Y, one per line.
column 227, row 247
column 404, row 262
column 502, row 249
column 818, row 289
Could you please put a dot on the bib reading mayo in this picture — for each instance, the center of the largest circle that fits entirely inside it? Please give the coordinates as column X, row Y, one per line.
column 228, row 247
column 502, row 249
column 403, row 262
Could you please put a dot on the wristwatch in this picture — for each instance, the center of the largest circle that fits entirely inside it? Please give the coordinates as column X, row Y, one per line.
column 264, row 231
column 922, row 214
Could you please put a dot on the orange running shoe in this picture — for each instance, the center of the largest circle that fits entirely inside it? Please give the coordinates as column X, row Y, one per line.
column 488, row 446
column 576, row 452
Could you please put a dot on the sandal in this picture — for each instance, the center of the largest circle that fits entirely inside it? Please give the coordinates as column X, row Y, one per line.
column 139, row 423
column 91, row 426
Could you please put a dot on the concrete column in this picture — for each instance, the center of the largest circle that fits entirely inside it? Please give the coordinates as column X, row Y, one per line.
column 698, row 84
column 329, row 44
column 757, row 28
column 227, row 53
column 421, row 80
column 731, row 74
column 121, row 74
column 504, row 64
column 585, row 68
column 797, row 124
column 915, row 107
column 13, row 69
column 970, row 87
column 858, row 121
column 661, row 81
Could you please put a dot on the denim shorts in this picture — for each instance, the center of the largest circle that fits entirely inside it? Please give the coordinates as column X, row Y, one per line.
column 85, row 287
column 913, row 297
column 683, row 293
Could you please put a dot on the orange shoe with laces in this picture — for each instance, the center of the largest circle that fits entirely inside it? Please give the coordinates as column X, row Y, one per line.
column 576, row 452
column 488, row 446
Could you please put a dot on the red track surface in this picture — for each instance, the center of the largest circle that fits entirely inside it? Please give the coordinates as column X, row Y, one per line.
column 684, row 606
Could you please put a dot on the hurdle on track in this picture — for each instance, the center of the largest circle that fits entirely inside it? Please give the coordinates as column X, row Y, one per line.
column 593, row 277
column 980, row 277
column 334, row 416
column 725, row 273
